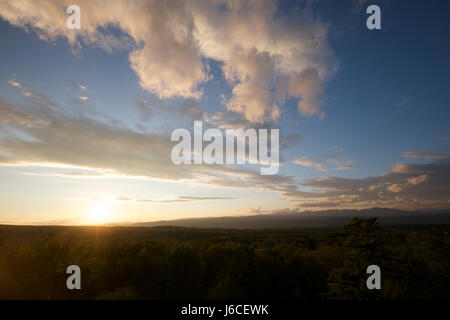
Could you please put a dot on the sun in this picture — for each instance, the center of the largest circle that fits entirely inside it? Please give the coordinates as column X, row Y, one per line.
column 98, row 213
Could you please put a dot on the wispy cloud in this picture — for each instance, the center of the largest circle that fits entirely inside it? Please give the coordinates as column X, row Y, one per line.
column 418, row 180
column 347, row 165
column 402, row 102
column 14, row 83
column 91, row 147
column 101, row 148
column 336, row 149
column 305, row 161
column 187, row 199
column 425, row 155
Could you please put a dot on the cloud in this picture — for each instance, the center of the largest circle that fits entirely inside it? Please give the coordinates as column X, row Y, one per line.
column 418, row 179
column 290, row 141
column 83, row 142
column 304, row 205
column 347, row 167
column 188, row 109
column 410, row 186
column 340, row 164
column 336, row 149
column 37, row 98
column 445, row 138
column 330, row 201
column 305, row 161
column 41, row 134
column 187, row 199
column 402, row 102
column 394, row 188
column 18, row 85
column 250, row 75
column 176, row 199
column 307, row 86
column 357, row 6
column 95, row 147
column 425, row 155
column 64, row 171
column 264, row 57
column 229, row 120
column 14, row 83
column 123, row 199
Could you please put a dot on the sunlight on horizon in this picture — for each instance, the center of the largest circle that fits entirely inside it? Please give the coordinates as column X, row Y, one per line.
column 99, row 212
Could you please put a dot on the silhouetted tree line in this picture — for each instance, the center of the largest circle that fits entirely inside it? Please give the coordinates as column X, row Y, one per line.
column 292, row 265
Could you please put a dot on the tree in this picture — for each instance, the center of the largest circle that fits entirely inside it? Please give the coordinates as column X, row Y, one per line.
column 363, row 245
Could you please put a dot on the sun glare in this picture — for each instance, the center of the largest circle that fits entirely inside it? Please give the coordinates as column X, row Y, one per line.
column 98, row 213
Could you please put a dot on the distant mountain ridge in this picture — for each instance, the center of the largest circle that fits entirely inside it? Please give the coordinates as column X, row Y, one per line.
column 308, row 219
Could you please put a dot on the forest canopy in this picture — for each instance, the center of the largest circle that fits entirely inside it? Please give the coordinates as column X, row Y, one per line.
column 295, row 264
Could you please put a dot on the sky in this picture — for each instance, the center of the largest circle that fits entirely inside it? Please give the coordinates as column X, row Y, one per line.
column 86, row 115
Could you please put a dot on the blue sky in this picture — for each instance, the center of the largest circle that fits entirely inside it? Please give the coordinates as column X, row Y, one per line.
column 385, row 96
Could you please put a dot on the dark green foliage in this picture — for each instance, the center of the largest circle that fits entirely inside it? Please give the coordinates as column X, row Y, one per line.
column 234, row 265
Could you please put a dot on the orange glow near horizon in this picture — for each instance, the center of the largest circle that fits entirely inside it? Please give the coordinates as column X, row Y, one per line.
column 99, row 212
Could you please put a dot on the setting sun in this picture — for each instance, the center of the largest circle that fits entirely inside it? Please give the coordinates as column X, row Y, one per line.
column 98, row 213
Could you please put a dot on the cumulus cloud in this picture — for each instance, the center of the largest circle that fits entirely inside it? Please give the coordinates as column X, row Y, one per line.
column 307, row 86
column 249, row 76
column 264, row 57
